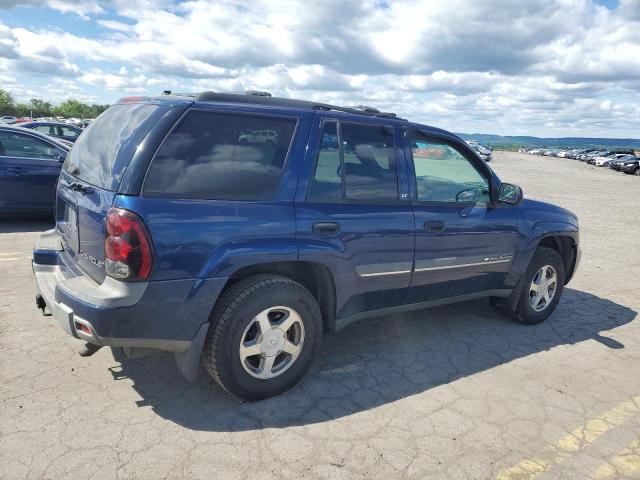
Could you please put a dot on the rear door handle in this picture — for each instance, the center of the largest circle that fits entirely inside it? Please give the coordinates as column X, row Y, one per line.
column 326, row 228
column 434, row 226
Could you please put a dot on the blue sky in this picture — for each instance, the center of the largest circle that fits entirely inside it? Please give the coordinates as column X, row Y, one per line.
column 541, row 67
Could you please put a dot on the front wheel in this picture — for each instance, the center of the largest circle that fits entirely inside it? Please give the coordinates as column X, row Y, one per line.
column 264, row 335
column 542, row 287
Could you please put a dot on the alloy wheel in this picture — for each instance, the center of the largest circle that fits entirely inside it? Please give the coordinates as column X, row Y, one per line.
column 272, row 342
column 543, row 288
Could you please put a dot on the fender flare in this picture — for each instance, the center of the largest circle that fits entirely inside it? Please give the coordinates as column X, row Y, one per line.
column 539, row 232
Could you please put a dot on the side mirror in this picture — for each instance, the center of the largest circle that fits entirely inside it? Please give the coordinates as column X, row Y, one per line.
column 511, row 194
column 62, row 156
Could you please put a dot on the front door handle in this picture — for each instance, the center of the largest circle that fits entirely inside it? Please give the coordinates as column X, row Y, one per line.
column 326, row 228
column 434, row 226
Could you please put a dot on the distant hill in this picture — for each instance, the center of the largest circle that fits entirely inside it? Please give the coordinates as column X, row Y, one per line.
column 514, row 142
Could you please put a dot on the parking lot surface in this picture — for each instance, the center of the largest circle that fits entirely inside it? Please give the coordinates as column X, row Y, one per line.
column 456, row 392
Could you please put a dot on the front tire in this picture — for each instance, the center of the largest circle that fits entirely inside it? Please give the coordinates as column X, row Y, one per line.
column 265, row 331
column 542, row 286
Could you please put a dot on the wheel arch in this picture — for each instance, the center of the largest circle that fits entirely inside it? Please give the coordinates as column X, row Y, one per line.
column 561, row 237
column 566, row 247
column 314, row 276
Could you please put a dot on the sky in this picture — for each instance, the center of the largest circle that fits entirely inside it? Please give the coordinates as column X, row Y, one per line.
column 538, row 67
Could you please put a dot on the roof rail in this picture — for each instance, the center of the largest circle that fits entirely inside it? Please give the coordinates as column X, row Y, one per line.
column 258, row 93
column 364, row 108
column 265, row 98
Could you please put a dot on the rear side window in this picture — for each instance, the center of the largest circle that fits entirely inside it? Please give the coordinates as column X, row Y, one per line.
column 369, row 162
column 359, row 167
column 326, row 186
column 102, row 153
column 221, row 156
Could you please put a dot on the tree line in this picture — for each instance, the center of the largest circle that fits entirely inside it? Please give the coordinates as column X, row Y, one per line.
column 40, row 108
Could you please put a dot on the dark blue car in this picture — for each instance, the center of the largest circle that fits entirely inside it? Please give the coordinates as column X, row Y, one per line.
column 179, row 229
column 62, row 131
column 30, row 164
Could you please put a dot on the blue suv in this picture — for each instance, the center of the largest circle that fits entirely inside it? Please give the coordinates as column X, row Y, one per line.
column 236, row 229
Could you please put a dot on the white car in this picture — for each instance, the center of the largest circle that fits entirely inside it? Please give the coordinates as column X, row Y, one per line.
column 8, row 119
column 268, row 137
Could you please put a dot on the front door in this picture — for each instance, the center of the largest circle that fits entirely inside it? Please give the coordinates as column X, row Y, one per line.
column 464, row 242
column 354, row 215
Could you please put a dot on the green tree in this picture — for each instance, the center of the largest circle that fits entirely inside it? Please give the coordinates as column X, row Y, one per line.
column 7, row 107
column 73, row 108
column 5, row 98
column 40, row 108
column 23, row 110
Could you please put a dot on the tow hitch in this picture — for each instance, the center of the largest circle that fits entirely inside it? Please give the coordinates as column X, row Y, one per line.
column 42, row 305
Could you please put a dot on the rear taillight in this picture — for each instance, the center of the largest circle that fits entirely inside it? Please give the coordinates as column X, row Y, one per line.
column 127, row 246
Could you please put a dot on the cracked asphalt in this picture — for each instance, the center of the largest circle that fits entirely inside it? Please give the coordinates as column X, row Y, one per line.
column 455, row 392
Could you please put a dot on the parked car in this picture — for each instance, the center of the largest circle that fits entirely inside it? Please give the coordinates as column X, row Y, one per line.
column 481, row 150
column 618, row 163
column 55, row 129
column 631, row 165
column 8, row 119
column 268, row 137
column 628, row 164
column 30, row 164
column 243, row 255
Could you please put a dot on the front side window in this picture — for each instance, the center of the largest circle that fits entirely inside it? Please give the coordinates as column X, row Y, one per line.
column 219, row 156
column 26, row 146
column 359, row 167
column 443, row 173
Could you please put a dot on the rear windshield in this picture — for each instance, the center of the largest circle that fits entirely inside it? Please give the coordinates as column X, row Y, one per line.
column 101, row 154
column 222, row 156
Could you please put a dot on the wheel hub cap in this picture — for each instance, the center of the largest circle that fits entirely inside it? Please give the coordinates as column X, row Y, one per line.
column 272, row 342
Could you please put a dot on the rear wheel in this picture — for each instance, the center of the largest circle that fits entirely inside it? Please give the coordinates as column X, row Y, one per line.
column 542, row 287
column 265, row 332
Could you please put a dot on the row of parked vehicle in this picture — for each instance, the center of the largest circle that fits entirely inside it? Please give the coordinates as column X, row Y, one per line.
column 78, row 122
column 622, row 161
column 483, row 150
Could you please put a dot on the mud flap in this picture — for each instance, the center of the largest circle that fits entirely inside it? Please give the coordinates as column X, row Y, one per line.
column 189, row 361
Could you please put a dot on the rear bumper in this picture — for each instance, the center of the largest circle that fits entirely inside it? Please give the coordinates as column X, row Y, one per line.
column 166, row 315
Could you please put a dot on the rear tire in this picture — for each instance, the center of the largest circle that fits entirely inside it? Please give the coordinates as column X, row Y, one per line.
column 542, row 286
column 265, row 332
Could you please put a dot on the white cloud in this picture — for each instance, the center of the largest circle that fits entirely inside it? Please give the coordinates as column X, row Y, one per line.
column 542, row 66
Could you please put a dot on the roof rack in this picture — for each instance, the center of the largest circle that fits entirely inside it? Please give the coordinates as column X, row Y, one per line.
column 265, row 98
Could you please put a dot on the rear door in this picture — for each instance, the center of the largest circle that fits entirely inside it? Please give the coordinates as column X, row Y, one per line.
column 29, row 169
column 354, row 216
column 464, row 242
column 92, row 174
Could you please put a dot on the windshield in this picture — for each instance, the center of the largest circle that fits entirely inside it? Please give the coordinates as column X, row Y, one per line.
column 101, row 154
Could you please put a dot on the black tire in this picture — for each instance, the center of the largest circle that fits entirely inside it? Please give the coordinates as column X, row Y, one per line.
column 235, row 311
column 524, row 313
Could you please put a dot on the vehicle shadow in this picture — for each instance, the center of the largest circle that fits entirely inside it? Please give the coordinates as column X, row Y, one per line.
column 377, row 361
column 25, row 224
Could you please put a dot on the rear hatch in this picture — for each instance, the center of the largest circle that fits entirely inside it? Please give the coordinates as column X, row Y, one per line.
column 90, row 178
